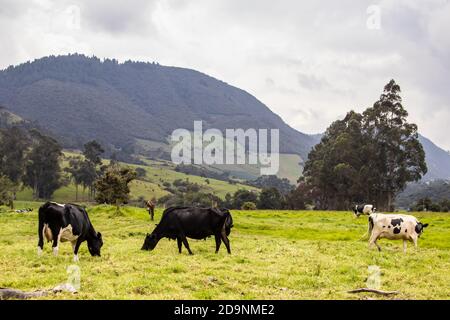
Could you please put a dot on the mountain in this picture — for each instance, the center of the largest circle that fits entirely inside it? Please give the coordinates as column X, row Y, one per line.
column 137, row 105
column 436, row 190
column 81, row 98
column 438, row 160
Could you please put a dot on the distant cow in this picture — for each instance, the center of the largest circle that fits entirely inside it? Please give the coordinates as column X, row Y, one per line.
column 394, row 227
column 363, row 209
column 196, row 223
column 67, row 222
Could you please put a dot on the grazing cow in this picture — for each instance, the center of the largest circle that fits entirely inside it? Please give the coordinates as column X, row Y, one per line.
column 363, row 209
column 394, row 227
column 67, row 222
column 150, row 208
column 196, row 223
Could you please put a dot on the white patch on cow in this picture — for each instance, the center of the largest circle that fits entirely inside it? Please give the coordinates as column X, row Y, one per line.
column 66, row 234
column 39, row 251
column 75, row 258
column 59, row 204
column 55, row 251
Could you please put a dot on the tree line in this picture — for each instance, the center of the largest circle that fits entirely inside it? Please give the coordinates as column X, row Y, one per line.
column 29, row 158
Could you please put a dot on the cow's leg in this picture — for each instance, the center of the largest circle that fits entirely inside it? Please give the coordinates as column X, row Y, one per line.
column 414, row 239
column 218, row 242
column 152, row 213
column 373, row 241
column 186, row 244
column 226, row 241
column 180, row 244
column 76, row 246
column 56, row 241
column 41, row 238
column 404, row 246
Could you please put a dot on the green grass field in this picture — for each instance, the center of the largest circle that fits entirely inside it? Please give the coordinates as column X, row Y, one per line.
column 275, row 255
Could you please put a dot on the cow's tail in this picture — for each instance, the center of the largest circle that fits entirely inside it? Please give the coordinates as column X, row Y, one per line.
column 369, row 229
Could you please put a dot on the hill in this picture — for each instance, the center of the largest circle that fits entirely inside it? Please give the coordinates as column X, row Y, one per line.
column 158, row 175
column 438, row 160
column 134, row 107
column 81, row 98
column 436, row 190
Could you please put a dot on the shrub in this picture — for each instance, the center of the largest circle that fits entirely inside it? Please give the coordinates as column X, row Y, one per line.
column 248, row 206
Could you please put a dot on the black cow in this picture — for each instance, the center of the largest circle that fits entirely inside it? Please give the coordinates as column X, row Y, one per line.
column 67, row 222
column 196, row 223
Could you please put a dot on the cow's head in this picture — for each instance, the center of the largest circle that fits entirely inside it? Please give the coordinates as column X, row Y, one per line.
column 355, row 210
column 150, row 242
column 95, row 244
column 420, row 228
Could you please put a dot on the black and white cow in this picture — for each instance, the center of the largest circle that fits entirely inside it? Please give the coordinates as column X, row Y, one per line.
column 363, row 209
column 67, row 222
column 394, row 227
column 196, row 223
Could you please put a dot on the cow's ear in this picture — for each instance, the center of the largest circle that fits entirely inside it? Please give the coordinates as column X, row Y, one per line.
column 425, row 225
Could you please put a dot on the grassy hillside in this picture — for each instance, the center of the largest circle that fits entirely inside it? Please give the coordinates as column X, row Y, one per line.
column 157, row 172
column 275, row 255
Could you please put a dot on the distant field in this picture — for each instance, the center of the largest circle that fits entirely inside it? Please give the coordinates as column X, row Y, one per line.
column 275, row 255
column 149, row 186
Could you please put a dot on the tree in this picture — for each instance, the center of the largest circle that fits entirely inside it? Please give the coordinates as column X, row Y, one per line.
column 270, row 198
column 367, row 157
column 92, row 152
column 248, row 205
column 8, row 190
column 14, row 144
column 241, row 196
column 112, row 187
column 272, row 181
column 398, row 153
column 141, row 173
column 42, row 170
column 89, row 173
column 76, row 173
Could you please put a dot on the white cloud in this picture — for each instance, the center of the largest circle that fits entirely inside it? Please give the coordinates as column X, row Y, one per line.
column 309, row 61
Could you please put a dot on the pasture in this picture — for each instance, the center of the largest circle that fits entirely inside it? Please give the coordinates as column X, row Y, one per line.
column 275, row 255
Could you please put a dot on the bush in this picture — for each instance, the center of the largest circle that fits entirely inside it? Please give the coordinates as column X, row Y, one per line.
column 248, row 206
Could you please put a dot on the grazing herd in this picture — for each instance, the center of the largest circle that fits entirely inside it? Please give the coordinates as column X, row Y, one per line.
column 71, row 223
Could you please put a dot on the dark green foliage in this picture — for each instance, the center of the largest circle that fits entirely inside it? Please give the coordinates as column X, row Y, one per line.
column 426, row 204
column 13, row 146
column 141, row 173
column 92, row 152
column 7, row 191
column 437, row 191
column 271, row 198
column 112, row 187
column 241, row 196
column 248, row 206
column 42, row 169
column 272, row 181
column 367, row 157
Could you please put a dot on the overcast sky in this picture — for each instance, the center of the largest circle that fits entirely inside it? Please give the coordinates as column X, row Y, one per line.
column 308, row 61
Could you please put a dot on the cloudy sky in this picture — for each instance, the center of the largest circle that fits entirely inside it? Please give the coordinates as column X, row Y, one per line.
column 309, row 61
